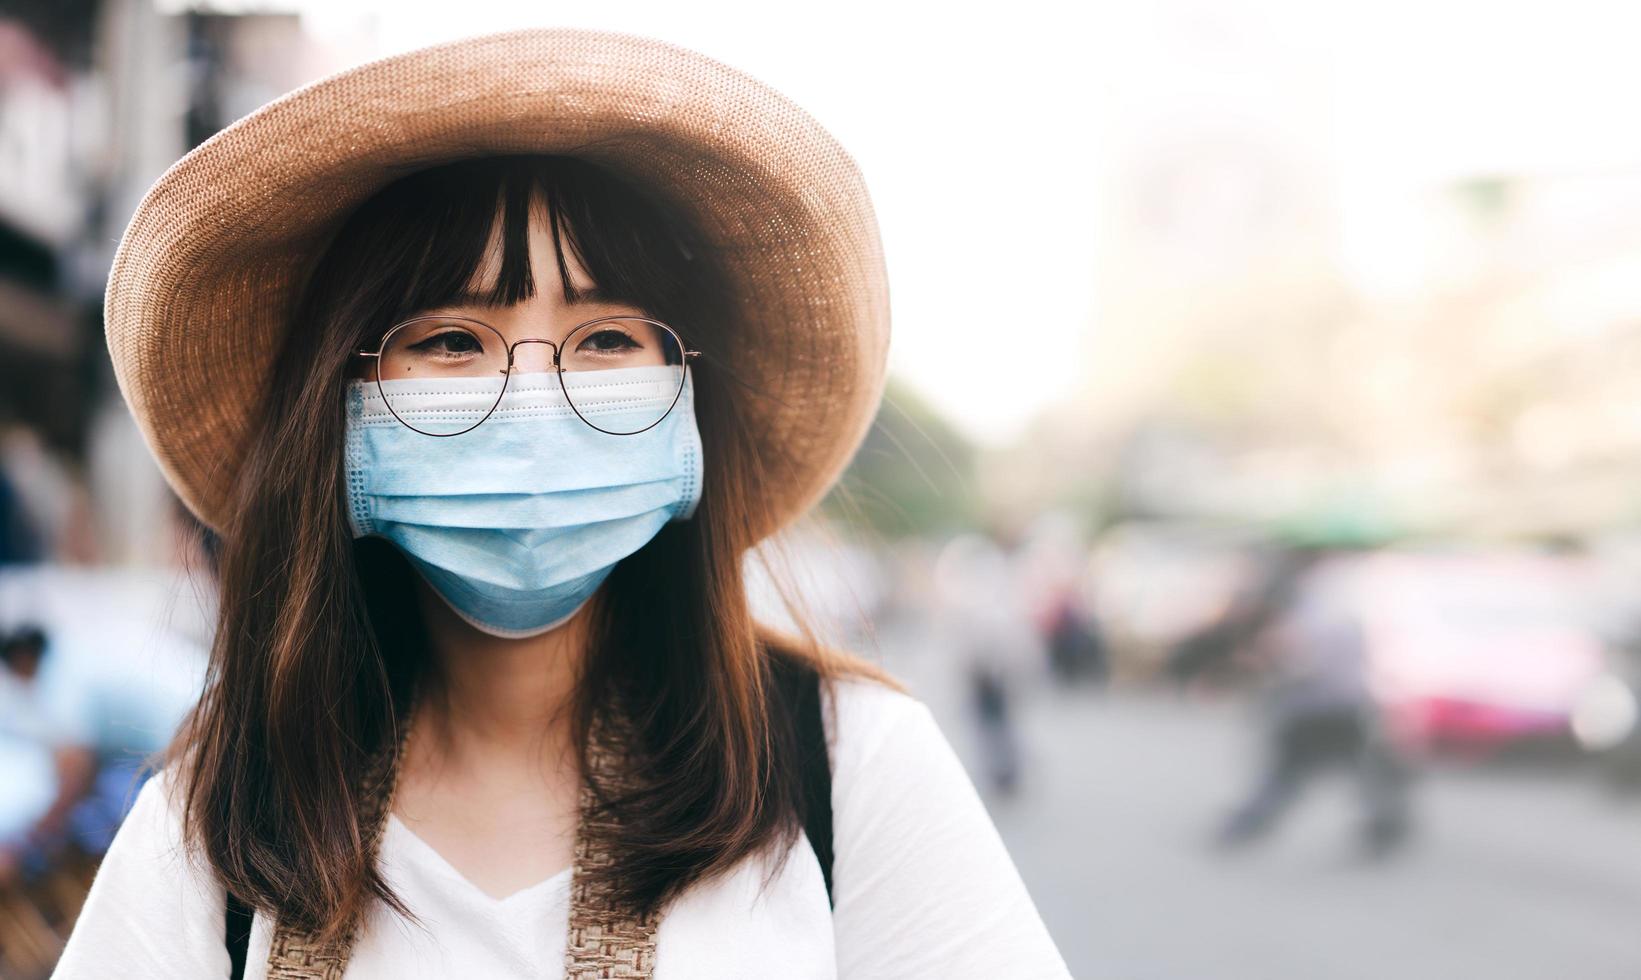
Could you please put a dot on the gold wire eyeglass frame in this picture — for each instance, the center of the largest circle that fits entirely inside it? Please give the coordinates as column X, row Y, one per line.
column 507, row 373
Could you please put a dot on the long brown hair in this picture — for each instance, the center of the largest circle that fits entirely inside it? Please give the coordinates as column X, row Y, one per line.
column 320, row 641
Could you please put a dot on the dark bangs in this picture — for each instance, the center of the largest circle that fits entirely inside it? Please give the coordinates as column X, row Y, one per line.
column 424, row 239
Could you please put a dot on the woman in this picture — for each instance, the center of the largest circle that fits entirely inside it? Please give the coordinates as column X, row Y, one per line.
column 490, row 362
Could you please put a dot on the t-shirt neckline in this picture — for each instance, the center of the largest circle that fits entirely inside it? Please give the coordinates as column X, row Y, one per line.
column 424, row 852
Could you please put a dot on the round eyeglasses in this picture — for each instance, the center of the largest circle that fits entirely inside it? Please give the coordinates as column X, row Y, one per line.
column 445, row 375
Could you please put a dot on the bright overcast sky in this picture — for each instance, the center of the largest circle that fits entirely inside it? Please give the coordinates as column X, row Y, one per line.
column 980, row 129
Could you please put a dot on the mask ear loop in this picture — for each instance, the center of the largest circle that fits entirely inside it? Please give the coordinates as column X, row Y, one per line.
column 357, row 503
column 694, row 452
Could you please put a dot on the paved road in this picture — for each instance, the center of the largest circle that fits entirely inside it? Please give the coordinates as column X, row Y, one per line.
column 1514, row 876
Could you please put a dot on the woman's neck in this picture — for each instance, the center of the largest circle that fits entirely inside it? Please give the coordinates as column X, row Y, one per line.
column 492, row 695
column 490, row 760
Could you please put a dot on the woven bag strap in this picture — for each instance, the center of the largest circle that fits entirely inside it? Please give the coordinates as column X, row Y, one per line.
column 604, row 942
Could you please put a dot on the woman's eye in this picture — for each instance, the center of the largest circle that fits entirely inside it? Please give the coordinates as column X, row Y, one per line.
column 608, row 340
column 448, row 343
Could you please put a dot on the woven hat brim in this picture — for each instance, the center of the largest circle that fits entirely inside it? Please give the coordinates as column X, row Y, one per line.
column 210, row 266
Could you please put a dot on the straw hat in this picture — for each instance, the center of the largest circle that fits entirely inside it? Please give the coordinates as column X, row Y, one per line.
column 219, row 247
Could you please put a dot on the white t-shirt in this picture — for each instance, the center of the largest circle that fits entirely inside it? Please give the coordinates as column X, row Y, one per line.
column 924, row 888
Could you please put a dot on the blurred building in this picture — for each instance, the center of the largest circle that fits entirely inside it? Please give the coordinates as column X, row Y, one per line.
column 97, row 99
column 46, row 198
column 1288, row 324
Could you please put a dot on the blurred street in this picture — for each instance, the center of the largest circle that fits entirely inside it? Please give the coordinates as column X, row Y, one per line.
column 1513, row 873
column 1318, row 452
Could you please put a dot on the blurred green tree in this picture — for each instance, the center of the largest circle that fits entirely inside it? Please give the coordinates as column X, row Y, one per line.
column 913, row 475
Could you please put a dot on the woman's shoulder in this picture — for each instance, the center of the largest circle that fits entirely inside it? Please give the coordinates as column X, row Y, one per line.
column 155, row 820
column 864, row 709
column 915, row 847
column 880, row 734
column 153, row 909
column 151, row 839
column 869, row 690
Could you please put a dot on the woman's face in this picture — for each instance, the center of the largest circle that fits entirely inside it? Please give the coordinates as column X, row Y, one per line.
column 546, row 315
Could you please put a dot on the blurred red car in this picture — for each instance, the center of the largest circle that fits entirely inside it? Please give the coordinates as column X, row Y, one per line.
column 1475, row 652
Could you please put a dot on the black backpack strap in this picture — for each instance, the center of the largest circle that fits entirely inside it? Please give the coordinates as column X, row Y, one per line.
column 238, row 935
column 817, row 776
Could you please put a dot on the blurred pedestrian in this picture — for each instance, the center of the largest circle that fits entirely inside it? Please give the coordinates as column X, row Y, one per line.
column 28, row 789
column 103, row 711
column 990, row 634
column 22, row 651
column 20, row 539
column 1076, row 648
column 1051, row 560
column 1319, row 708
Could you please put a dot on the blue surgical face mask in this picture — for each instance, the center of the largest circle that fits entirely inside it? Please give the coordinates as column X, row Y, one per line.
column 517, row 522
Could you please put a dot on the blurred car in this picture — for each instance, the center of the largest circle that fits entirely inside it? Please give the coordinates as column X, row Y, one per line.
column 1478, row 652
